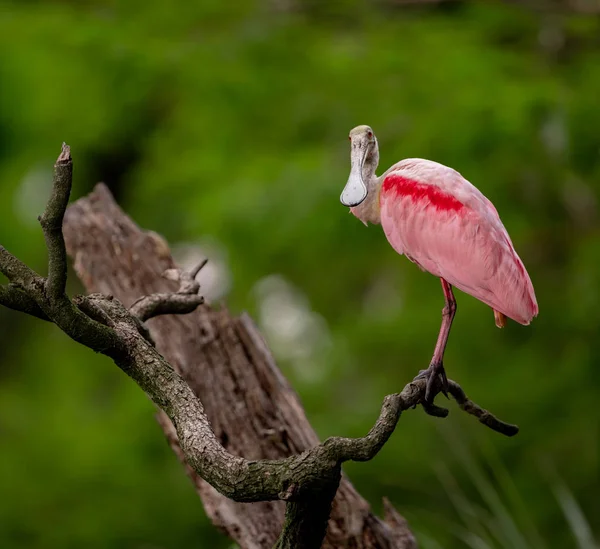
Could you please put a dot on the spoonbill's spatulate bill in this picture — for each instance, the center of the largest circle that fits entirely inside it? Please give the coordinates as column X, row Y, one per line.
column 441, row 222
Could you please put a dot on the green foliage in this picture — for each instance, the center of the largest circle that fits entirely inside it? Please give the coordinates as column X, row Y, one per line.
column 501, row 517
column 224, row 126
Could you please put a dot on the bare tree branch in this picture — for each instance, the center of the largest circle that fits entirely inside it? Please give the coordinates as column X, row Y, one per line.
column 485, row 417
column 18, row 273
column 48, row 293
column 196, row 270
column 307, row 481
column 184, row 301
column 13, row 297
column 51, row 221
column 165, row 304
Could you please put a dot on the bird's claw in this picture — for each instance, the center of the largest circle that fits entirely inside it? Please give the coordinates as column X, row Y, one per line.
column 431, row 375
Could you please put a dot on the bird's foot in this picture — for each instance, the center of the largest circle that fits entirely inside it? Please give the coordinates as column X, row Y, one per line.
column 434, row 374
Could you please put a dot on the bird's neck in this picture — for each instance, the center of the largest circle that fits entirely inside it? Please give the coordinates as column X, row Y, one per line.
column 368, row 210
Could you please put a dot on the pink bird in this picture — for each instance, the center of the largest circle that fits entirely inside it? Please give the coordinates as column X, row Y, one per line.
column 444, row 224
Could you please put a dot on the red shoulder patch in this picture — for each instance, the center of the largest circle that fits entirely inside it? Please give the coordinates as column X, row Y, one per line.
column 399, row 185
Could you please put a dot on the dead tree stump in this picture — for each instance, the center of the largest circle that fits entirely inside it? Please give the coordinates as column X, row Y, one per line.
column 252, row 408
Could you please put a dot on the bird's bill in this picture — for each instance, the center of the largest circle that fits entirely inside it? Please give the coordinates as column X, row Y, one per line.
column 355, row 190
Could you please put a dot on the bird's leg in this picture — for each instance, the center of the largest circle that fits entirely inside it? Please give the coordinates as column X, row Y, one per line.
column 436, row 368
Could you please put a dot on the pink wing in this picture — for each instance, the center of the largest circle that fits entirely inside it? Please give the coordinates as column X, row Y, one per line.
column 440, row 221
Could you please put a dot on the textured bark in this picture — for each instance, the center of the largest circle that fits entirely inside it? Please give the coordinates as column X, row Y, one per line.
column 252, row 408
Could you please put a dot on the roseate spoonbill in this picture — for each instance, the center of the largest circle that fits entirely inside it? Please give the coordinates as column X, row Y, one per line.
column 441, row 222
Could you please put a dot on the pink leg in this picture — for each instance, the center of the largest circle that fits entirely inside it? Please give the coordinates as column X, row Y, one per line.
column 448, row 313
column 436, row 368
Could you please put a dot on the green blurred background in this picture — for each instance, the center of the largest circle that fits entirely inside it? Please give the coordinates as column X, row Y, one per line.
column 223, row 126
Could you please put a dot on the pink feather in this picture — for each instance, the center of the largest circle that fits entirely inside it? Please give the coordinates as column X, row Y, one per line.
column 444, row 224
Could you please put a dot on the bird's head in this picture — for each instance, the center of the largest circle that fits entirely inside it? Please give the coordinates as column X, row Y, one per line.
column 363, row 147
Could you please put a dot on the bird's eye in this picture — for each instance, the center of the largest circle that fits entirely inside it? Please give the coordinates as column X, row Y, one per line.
column 370, row 134
column 349, row 138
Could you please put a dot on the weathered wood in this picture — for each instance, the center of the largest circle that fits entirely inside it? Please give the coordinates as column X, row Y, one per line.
column 251, row 406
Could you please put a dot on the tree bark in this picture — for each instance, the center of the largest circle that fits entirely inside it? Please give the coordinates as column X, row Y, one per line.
column 252, row 408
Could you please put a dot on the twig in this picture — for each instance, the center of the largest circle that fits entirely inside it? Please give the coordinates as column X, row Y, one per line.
column 51, row 221
column 485, row 417
column 184, row 301
column 194, row 272
column 165, row 304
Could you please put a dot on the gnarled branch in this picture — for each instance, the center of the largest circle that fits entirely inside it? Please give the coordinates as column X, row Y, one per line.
column 13, row 297
column 184, row 301
column 307, row 481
